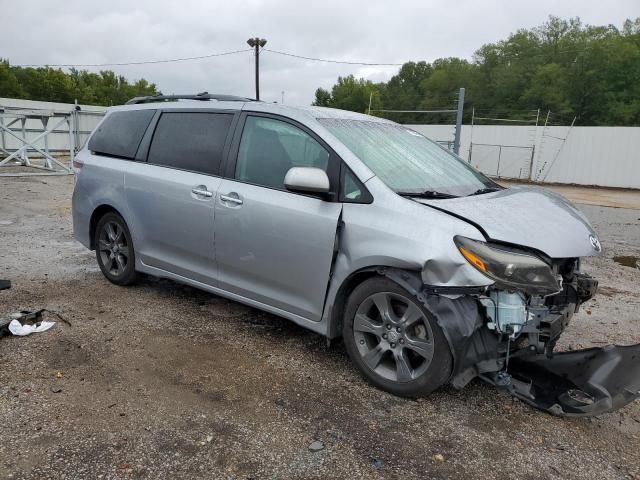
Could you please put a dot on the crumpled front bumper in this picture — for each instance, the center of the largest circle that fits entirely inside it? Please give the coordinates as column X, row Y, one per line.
column 580, row 383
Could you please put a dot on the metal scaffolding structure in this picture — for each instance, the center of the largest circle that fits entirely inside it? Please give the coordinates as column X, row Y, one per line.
column 44, row 161
column 551, row 141
column 42, row 140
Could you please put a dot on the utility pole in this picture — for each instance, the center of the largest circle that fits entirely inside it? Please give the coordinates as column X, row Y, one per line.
column 257, row 43
column 460, row 110
column 473, row 118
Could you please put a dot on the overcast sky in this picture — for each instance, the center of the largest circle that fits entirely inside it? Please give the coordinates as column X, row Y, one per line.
column 56, row 32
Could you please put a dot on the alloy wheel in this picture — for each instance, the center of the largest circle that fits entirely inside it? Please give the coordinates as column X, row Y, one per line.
column 393, row 337
column 113, row 248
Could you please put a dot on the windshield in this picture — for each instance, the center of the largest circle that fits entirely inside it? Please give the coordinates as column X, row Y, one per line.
column 406, row 161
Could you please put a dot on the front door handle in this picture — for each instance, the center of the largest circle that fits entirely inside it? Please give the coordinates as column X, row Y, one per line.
column 230, row 199
column 202, row 191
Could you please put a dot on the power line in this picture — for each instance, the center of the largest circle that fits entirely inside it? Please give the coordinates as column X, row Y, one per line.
column 277, row 52
column 415, row 111
column 144, row 62
column 200, row 57
column 370, row 64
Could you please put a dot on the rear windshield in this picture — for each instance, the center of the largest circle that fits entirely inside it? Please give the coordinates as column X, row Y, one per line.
column 120, row 133
column 405, row 160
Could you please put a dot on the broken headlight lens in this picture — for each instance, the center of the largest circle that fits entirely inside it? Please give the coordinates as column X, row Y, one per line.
column 509, row 269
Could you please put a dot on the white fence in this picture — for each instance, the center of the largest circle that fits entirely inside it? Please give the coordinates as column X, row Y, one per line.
column 602, row 156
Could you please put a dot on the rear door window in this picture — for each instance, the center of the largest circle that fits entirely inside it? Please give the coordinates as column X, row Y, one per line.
column 119, row 135
column 190, row 141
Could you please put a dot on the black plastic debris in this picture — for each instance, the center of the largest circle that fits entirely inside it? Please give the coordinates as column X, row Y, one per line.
column 580, row 383
column 5, row 284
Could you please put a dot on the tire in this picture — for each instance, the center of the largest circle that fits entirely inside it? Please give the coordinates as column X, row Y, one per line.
column 114, row 250
column 403, row 350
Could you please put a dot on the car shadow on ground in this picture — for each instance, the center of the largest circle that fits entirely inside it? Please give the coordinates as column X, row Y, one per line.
column 277, row 331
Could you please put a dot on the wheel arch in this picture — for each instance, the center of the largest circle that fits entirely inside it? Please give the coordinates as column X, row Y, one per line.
column 459, row 317
column 99, row 212
column 350, row 283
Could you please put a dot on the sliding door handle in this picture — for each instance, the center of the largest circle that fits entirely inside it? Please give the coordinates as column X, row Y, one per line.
column 203, row 192
column 230, row 199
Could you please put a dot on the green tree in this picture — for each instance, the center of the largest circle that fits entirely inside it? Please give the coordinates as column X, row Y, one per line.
column 323, row 98
column 55, row 85
column 440, row 89
column 350, row 94
column 590, row 72
column 403, row 91
column 9, row 84
column 353, row 94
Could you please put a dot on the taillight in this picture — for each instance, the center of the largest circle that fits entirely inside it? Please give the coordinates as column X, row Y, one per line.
column 77, row 164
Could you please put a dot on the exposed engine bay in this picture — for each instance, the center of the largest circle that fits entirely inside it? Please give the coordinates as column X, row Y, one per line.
column 507, row 338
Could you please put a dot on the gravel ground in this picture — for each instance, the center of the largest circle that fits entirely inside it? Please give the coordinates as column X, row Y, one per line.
column 160, row 380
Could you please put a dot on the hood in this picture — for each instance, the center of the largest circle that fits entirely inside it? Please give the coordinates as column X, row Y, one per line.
column 529, row 216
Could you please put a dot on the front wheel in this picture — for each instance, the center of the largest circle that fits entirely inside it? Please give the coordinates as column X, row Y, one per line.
column 394, row 341
column 114, row 250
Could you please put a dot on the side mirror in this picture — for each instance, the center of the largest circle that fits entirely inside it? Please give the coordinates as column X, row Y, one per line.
column 307, row 180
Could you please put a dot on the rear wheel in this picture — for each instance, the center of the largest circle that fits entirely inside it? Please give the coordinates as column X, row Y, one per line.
column 394, row 341
column 114, row 249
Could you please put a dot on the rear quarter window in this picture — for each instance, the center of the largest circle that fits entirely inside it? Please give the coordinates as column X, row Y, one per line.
column 119, row 135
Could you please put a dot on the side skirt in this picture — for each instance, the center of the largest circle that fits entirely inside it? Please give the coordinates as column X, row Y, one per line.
column 318, row 327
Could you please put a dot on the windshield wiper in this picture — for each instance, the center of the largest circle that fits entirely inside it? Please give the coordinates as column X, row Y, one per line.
column 485, row 190
column 427, row 194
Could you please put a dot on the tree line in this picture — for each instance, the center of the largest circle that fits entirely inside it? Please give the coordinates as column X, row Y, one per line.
column 55, row 85
column 572, row 69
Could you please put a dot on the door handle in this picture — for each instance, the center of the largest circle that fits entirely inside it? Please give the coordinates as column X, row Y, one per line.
column 235, row 200
column 201, row 191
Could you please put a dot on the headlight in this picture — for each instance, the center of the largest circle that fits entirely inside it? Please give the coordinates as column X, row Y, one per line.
column 510, row 270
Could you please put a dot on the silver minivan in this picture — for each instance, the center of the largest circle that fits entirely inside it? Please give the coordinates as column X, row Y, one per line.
column 355, row 227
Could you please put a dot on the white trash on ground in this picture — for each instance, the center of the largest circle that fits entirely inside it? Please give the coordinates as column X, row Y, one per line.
column 20, row 330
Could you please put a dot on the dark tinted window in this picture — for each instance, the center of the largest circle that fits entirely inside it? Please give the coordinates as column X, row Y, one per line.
column 190, row 141
column 269, row 148
column 120, row 133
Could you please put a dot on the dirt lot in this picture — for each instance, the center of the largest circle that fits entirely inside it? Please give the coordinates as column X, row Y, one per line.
column 607, row 197
column 164, row 381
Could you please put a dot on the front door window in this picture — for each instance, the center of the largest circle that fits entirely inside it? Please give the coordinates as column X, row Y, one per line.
column 269, row 148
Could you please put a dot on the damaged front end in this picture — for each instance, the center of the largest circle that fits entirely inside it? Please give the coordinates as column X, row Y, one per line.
column 506, row 334
column 584, row 382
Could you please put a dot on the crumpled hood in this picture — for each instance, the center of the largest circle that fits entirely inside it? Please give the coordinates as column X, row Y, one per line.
column 529, row 216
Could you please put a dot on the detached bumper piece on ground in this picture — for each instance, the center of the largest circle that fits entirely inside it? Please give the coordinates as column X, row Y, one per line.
column 585, row 382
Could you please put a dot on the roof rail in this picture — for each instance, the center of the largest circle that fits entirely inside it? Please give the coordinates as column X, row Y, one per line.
column 199, row 96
